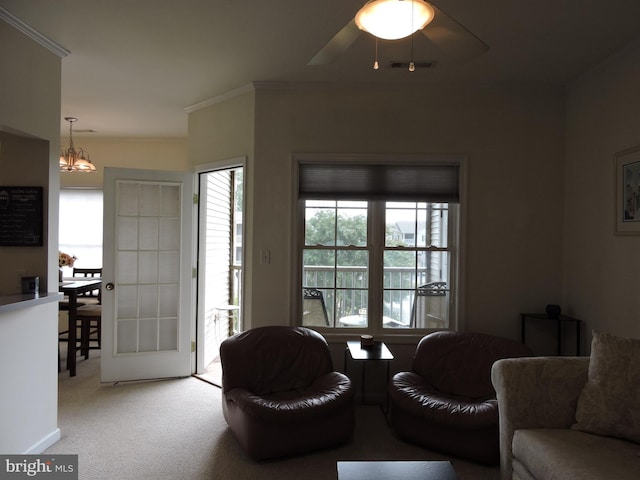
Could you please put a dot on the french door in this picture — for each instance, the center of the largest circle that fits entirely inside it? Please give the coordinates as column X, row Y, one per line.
column 219, row 260
column 147, row 274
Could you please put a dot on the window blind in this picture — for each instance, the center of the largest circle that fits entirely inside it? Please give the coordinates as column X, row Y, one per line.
column 392, row 182
column 80, row 226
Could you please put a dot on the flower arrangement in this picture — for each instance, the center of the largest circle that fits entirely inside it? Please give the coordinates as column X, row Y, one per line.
column 66, row 260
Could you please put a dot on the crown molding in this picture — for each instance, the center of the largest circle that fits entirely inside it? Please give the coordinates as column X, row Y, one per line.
column 297, row 86
column 220, row 98
column 47, row 43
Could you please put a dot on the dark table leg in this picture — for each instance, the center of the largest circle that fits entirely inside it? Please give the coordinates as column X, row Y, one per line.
column 362, row 389
column 71, row 345
column 345, row 361
column 386, row 392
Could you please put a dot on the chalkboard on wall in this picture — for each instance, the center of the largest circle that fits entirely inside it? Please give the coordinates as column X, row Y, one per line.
column 21, row 216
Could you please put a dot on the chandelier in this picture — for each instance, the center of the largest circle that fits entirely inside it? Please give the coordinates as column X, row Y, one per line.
column 72, row 160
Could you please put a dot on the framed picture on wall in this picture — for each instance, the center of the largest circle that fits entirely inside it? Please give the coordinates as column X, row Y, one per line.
column 627, row 206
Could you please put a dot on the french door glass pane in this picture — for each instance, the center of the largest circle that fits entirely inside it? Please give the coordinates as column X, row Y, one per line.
column 147, row 266
column 127, row 233
column 168, row 334
column 148, row 335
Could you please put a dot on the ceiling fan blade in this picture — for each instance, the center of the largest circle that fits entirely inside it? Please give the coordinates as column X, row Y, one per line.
column 452, row 38
column 337, row 45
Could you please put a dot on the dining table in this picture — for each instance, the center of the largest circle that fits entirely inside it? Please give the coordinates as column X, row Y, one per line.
column 73, row 288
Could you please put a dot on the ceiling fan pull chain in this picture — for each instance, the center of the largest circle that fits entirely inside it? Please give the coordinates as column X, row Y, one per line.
column 412, row 66
column 375, row 63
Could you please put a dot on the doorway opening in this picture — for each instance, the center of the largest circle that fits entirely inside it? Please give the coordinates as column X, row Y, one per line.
column 220, row 232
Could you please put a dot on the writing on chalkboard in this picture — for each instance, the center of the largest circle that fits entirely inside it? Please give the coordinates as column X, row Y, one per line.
column 21, row 216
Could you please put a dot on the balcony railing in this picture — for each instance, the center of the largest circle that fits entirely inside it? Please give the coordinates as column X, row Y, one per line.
column 411, row 299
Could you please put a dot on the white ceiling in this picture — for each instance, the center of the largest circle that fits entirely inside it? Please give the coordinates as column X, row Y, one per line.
column 136, row 65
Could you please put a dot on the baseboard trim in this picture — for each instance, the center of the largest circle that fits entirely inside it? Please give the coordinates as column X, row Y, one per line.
column 44, row 443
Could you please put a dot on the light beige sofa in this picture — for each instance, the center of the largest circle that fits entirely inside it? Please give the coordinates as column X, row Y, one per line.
column 537, row 401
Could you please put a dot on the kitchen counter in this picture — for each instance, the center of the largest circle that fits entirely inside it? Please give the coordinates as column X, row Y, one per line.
column 9, row 303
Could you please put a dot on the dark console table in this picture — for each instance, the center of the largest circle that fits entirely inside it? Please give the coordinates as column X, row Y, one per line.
column 559, row 320
column 376, row 352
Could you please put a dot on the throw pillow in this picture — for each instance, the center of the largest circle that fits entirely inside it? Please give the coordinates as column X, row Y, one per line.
column 610, row 401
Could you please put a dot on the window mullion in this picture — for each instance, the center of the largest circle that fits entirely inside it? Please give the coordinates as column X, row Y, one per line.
column 376, row 260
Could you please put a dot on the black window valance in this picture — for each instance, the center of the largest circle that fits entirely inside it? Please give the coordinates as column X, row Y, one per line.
column 428, row 182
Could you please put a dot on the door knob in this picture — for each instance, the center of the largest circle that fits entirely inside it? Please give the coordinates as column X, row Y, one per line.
column 109, row 286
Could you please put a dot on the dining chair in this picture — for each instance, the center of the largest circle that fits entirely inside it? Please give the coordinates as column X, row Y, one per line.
column 88, row 316
column 89, row 273
column 89, row 319
column 87, row 297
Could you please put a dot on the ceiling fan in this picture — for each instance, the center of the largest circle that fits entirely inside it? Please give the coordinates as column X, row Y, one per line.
column 442, row 31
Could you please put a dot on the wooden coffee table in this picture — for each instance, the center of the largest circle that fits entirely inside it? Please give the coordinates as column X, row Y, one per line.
column 405, row 470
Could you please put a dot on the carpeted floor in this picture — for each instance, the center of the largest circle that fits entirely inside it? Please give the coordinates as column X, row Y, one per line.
column 174, row 429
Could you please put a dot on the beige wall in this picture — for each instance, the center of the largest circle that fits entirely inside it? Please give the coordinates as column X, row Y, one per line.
column 30, row 100
column 142, row 153
column 32, row 156
column 222, row 131
column 30, row 109
column 219, row 133
column 513, row 138
column 601, row 270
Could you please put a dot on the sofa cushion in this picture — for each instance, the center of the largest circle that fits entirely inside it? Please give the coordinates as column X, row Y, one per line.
column 560, row 454
column 610, row 400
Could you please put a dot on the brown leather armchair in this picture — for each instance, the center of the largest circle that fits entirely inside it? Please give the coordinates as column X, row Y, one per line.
column 280, row 394
column 447, row 402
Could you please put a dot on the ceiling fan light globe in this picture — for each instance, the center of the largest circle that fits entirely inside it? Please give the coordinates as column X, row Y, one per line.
column 394, row 19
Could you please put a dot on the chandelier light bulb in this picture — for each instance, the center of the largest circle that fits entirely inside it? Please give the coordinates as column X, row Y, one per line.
column 412, row 66
column 394, row 19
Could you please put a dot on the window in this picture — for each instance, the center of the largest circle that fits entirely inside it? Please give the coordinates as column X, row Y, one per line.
column 80, row 227
column 381, row 256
